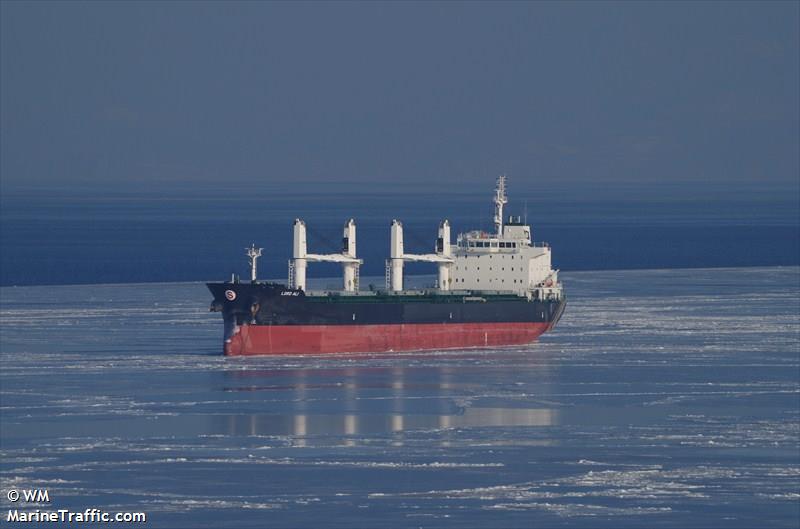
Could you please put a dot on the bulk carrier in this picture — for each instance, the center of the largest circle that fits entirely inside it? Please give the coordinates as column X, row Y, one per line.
column 493, row 289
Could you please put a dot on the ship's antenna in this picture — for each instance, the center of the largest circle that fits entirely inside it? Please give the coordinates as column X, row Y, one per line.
column 526, row 212
column 500, row 200
column 253, row 253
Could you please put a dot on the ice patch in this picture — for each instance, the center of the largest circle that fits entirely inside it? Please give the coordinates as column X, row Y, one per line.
column 568, row 510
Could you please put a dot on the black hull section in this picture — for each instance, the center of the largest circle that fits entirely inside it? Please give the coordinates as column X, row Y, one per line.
column 273, row 304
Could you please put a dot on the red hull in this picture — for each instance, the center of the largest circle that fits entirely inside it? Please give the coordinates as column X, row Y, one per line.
column 316, row 339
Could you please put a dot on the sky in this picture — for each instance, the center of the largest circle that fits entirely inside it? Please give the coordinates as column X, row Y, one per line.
column 589, row 98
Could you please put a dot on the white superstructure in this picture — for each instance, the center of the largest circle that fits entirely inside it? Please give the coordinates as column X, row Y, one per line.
column 504, row 260
column 484, row 261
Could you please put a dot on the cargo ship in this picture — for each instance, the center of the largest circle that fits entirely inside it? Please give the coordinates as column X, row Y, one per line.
column 493, row 289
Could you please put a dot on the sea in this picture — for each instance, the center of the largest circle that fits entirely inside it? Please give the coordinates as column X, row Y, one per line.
column 664, row 398
column 63, row 236
column 667, row 396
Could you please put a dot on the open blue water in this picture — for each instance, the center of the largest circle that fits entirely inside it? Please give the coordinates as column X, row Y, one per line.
column 664, row 398
column 60, row 238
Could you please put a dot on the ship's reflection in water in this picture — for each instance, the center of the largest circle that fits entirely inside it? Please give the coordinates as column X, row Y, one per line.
column 349, row 403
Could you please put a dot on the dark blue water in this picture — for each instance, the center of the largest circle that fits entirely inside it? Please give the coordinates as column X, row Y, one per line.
column 68, row 239
column 664, row 398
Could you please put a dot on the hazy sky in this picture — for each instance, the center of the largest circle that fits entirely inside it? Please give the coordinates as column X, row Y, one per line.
column 156, row 95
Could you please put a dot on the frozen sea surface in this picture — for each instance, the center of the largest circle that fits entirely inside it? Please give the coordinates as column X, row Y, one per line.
column 663, row 399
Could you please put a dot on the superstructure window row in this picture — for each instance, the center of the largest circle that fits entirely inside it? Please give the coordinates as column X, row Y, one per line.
column 488, row 244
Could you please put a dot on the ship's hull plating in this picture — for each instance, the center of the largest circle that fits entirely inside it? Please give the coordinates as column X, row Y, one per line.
column 271, row 319
column 318, row 339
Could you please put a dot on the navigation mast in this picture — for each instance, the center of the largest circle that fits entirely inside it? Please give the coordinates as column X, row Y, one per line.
column 253, row 253
column 500, row 200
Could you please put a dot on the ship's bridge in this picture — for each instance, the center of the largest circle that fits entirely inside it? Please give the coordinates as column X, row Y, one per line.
column 507, row 261
column 515, row 234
